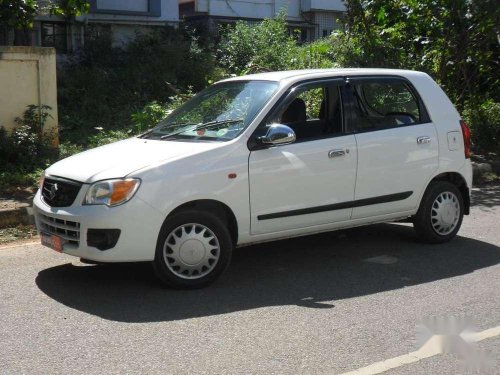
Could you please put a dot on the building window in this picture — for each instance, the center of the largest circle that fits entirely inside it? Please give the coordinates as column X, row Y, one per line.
column 54, row 35
column 327, row 32
column 150, row 8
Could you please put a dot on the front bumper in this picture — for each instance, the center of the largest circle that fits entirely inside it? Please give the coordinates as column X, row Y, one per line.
column 138, row 222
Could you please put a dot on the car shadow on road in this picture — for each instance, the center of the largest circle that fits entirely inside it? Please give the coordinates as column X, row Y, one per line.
column 312, row 272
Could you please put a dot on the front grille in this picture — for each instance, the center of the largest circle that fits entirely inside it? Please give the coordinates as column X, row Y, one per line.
column 58, row 193
column 67, row 230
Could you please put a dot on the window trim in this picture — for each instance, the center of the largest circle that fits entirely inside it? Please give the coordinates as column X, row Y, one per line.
column 352, row 123
column 54, row 44
column 154, row 9
column 254, row 145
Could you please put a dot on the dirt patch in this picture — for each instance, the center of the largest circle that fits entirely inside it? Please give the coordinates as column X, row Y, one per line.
column 18, row 234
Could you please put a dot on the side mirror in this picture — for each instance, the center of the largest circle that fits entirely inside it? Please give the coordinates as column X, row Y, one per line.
column 278, row 134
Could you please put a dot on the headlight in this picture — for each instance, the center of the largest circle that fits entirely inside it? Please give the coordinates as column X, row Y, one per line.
column 112, row 192
column 41, row 180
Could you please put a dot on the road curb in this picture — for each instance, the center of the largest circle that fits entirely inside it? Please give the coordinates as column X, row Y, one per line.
column 16, row 216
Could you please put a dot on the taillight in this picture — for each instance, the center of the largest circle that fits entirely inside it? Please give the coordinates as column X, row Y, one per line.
column 466, row 135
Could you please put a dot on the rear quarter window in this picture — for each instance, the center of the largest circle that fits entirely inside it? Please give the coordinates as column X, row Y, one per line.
column 384, row 104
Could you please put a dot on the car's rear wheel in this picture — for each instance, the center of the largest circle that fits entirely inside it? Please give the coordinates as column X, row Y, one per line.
column 193, row 249
column 440, row 214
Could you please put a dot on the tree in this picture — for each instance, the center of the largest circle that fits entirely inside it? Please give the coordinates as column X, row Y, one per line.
column 69, row 8
column 268, row 46
column 18, row 15
column 455, row 41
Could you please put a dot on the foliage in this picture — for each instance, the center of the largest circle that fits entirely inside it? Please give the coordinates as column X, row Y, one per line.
column 67, row 149
column 69, row 8
column 264, row 46
column 152, row 113
column 103, row 85
column 453, row 41
column 268, row 46
column 27, row 150
column 27, row 147
column 485, row 126
column 34, row 118
column 18, row 14
column 108, row 92
column 148, row 116
column 14, row 178
column 104, row 137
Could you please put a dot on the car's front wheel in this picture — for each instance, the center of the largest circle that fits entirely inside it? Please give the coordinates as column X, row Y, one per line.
column 440, row 214
column 193, row 249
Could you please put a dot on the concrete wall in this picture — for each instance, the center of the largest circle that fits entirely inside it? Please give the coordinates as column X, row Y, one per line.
column 27, row 76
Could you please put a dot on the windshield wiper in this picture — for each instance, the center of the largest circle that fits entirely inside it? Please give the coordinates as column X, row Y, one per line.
column 155, row 128
column 205, row 125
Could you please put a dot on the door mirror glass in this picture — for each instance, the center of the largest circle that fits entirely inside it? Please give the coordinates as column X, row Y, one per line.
column 279, row 134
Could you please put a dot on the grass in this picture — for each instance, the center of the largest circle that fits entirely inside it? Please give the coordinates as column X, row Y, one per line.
column 12, row 180
column 487, row 179
column 20, row 232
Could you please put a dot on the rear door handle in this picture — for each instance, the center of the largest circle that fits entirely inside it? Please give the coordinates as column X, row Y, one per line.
column 337, row 153
column 423, row 140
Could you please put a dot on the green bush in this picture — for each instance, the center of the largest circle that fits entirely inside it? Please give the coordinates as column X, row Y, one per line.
column 12, row 179
column 264, row 46
column 67, row 149
column 102, row 86
column 268, row 46
column 104, row 137
column 485, row 126
column 149, row 116
column 456, row 42
column 27, row 147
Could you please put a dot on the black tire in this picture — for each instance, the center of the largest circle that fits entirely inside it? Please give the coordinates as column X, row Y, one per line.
column 422, row 221
column 167, row 276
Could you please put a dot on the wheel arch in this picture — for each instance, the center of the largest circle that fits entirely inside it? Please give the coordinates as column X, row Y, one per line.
column 459, row 181
column 215, row 207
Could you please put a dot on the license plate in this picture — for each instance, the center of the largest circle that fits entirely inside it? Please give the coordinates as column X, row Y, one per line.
column 54, row 242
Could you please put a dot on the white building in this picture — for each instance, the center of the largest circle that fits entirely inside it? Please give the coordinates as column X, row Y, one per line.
column 124, row 17
column 313, row 18
column 120, row 19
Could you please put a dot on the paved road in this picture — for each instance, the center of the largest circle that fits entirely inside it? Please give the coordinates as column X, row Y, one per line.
column 328, row 303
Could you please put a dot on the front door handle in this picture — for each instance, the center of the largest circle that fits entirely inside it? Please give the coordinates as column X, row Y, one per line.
column 337, row 153
column 423, row 140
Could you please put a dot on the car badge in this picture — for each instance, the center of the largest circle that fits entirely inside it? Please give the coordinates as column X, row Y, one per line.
column 53, row 191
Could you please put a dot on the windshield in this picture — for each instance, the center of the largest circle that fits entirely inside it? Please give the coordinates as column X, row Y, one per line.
column 220, row 112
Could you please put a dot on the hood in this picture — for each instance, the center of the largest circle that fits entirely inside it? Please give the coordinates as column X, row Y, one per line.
column 122, row 158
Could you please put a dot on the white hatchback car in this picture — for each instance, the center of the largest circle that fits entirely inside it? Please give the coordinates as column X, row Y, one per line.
column 259, row 158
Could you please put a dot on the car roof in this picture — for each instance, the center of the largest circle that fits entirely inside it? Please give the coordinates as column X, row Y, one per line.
column 299, row 75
